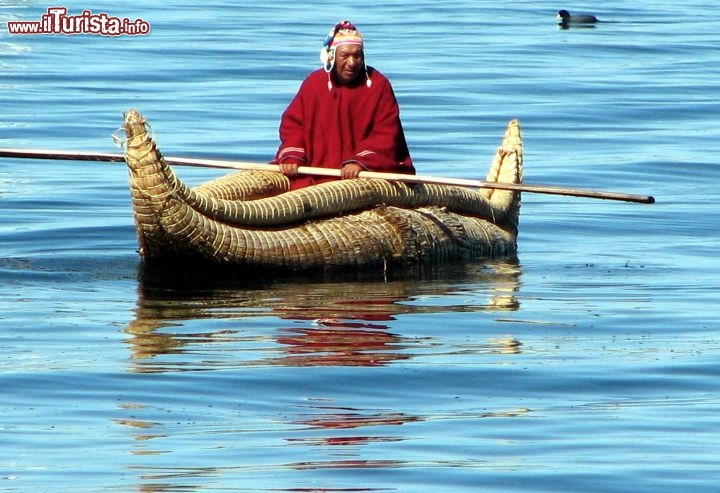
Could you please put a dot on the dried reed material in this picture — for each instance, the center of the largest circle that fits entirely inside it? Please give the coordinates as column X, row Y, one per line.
column 248, row 219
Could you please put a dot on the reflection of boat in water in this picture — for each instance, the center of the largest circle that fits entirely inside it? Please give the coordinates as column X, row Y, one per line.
column 328, row 322
column 208, row 323
column 337, row 421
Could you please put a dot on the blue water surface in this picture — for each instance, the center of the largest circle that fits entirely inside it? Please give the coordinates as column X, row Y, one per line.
column 588, row 363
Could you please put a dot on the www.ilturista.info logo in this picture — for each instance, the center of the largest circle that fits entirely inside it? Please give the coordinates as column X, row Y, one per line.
column 56, row 21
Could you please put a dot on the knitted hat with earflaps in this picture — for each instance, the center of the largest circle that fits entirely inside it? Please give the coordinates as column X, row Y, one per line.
column 344, row 33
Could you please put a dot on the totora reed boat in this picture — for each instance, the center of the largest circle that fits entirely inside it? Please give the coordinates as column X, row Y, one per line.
column 250, row 220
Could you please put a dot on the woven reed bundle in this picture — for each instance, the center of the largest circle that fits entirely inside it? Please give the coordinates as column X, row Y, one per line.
column 415, row 223
column 245, row 185
column 227, row 199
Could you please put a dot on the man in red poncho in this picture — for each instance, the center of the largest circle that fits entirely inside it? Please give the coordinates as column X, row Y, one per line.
column 345, row 116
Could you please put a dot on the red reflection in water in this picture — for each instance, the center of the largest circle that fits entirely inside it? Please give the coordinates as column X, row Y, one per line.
column 340, row 345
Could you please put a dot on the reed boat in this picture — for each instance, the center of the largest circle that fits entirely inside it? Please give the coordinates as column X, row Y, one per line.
column 251, row 220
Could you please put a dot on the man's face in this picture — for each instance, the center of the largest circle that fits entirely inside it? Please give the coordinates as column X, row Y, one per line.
column 349, row 63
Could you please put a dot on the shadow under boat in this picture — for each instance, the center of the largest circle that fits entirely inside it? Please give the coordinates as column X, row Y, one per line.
column 331, row 319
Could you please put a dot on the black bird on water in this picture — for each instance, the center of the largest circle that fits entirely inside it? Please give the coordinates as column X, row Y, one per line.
column 566, row 19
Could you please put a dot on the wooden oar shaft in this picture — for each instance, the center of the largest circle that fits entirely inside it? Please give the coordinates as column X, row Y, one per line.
column 221, row 164
column 60, row 155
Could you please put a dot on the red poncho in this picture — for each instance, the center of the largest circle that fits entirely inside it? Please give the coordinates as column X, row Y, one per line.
column 328, row 128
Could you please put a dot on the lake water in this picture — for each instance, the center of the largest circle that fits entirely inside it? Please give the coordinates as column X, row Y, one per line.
column 588, row 364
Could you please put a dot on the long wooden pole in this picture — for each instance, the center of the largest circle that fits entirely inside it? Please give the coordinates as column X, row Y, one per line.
column 214, row 163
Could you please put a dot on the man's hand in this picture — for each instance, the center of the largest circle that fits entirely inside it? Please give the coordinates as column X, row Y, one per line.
column 289, row 169
column 350, row 170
